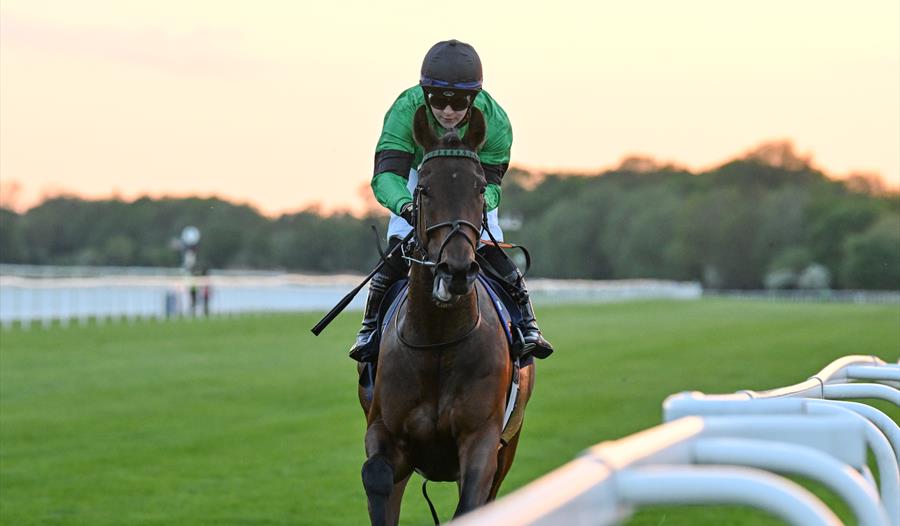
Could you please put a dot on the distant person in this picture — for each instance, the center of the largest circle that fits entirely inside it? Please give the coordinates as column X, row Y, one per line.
column 192, row 291
column 450, row 85
column 205, row 291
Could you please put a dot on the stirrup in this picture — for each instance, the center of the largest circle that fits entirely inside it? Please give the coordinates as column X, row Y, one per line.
column 362, row 350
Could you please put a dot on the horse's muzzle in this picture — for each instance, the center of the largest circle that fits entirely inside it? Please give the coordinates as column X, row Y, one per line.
column 453, row 280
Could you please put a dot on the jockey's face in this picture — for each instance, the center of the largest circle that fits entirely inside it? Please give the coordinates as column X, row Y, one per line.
column 448, row 106
column 448, row 117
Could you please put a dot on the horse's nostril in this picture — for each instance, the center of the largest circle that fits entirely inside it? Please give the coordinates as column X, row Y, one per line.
column 442, row 269
column 474, row 268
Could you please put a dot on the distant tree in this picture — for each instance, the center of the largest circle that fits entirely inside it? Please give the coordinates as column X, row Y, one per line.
column 564, row 250
column 779, row 154
column 873, row 256
column 640, row 231
column 794, row 259
column 783, row 228
column 732, row 226
column 12, row 244
column 834, row 224
column 866, row 183
column 119, row 250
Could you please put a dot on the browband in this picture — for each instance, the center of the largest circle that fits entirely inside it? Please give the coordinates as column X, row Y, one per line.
column 451, row 153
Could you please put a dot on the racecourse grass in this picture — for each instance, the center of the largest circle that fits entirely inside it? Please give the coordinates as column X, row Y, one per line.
column 254, row 421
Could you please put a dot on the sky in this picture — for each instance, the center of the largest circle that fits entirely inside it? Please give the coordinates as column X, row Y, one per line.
column 279, row 104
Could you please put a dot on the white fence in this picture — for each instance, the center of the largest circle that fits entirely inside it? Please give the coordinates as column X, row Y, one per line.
column 889, row 297
column 726, row 449
column 26, row 300
column 61, row 295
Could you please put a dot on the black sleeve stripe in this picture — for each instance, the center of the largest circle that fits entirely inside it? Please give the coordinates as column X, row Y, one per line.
column 494, row 172
column 395, row 161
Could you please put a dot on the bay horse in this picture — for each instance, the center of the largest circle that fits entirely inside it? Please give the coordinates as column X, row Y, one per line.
column 444, row 366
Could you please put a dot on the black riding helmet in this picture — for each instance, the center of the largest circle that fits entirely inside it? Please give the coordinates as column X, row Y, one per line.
column 449, row 66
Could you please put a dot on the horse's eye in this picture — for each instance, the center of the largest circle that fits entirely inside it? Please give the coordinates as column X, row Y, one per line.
column 481, row 190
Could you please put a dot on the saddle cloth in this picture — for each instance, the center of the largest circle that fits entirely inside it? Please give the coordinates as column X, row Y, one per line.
column 503, row 303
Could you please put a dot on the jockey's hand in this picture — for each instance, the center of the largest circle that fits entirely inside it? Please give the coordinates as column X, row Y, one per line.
column 407, row 213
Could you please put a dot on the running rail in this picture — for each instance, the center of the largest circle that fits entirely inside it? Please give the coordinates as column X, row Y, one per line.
column 661, row 466
column 875, row 435
column 835, row 372
column 800, row 430
column 821, row 394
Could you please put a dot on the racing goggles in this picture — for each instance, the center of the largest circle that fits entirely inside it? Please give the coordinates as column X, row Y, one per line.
column 457, row 100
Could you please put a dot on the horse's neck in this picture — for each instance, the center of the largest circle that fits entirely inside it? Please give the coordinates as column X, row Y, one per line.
column 437, row 323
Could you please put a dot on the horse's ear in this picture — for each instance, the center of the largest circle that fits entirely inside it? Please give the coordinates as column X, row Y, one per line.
column 422, row 132
column 477, row 130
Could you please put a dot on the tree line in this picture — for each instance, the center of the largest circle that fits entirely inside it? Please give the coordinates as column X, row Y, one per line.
column 767, row 219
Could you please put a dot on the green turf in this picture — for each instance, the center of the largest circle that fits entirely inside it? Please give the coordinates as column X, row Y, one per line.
column 255, row 421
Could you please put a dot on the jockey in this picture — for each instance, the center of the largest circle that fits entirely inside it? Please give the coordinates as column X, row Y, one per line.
column 450, row 84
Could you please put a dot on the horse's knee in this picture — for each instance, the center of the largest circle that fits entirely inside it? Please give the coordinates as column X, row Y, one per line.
column 378, row 476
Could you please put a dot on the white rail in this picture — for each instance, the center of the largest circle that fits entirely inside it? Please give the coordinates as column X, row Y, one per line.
column 796, row 430
column 679, row 406
column 591, row 490
column 50, row 296
column 796, row 460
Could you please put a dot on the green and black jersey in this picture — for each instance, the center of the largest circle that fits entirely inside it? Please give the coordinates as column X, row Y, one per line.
column 397, row 151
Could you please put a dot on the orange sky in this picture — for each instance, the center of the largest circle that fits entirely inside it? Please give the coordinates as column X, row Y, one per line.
column 280, row 104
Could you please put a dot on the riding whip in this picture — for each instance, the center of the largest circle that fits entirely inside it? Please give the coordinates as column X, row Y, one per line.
column 332, row 314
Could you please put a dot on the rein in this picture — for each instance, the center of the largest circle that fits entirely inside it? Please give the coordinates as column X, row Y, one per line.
column 459, row 339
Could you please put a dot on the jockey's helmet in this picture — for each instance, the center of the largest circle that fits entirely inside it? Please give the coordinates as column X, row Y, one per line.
column 451, row 65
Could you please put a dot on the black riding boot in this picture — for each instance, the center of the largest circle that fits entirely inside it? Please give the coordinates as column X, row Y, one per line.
column 531, row 333
column 514, row 283
column 395, row 268
column 377, row 287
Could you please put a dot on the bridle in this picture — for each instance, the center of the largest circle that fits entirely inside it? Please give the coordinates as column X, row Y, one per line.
column 455, row 226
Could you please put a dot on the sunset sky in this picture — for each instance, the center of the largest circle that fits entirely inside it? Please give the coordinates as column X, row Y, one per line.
column 280, row 104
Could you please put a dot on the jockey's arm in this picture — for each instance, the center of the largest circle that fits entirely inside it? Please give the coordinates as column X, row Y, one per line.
column 492, row 193
column 389, row 183
column 390, row 190
column 496, row 151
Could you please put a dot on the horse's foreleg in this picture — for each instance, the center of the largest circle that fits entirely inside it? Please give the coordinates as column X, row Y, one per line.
column 477, row 467
column 381, row 470
column 364, row 402
column 393, row 510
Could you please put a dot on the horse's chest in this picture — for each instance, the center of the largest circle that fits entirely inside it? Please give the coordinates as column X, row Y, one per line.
column 426, row 422
column 428, row 440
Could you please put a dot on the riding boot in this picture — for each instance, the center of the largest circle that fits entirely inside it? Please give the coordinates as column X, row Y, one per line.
column 531, row 333
column 362, row 349
column 512, row 280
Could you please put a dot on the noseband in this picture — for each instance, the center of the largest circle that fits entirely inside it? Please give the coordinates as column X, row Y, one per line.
column 456, row 225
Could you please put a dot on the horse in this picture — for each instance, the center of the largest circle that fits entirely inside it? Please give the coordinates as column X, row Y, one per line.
column 444, row 365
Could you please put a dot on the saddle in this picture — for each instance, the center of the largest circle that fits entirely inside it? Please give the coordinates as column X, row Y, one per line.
column 504, row 305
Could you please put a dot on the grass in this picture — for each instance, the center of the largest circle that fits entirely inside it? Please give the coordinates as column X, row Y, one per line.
column 255, row 421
